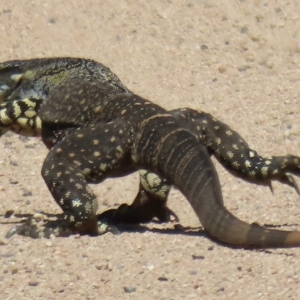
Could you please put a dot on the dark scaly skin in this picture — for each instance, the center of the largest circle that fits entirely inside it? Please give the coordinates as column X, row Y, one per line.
column 24, row 85
column 231, row 150
column 132, row 133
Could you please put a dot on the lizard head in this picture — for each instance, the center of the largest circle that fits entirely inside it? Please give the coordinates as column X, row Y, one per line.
column 37, row 78
column 10, row 78
column 20, row 79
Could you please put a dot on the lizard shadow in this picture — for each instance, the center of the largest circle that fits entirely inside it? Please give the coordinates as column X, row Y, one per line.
column 20, row 218
column 153, row 227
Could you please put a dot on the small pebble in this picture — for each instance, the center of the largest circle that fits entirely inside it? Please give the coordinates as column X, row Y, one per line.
column 49, row 244
column 162, row 278
column 129, row 289
column 33, row 283
column 197, row 256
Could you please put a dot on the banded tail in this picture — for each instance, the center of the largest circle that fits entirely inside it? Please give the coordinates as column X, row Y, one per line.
column 180, row 158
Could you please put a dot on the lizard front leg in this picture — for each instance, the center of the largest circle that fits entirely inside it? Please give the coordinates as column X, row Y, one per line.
column 86, row 156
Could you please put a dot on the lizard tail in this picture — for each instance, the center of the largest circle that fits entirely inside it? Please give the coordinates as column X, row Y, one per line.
column 190, row 168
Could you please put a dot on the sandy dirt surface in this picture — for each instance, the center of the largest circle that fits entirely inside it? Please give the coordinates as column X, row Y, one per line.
column 239, row 61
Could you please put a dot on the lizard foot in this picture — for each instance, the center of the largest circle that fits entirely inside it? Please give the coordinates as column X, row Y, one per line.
column 39, row 226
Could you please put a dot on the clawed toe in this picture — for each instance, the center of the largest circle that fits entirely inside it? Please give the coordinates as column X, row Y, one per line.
column 289, row 179
column 29, row 228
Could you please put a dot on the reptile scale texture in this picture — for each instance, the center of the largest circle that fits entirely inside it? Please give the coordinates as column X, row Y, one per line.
column 95, row 128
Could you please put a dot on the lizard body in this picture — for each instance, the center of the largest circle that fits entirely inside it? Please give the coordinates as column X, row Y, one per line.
column 132, row 133
column 71, row 107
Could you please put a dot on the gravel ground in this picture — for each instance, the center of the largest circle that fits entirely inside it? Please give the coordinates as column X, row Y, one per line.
column 238, row 60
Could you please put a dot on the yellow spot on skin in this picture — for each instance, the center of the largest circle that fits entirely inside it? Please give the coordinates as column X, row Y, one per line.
column 204, row 122
column 218, row 141
column 29, row 103
column 76, row 203
column 121, row 131
column 82, row 102
column 235, row 146
column 58, row 174
column 198, row 128
column 268, row 162
column 72, row 154
column 17, row 109
column 58, row 150
column 97, row 153
column 247, row 164
column 78, row 186
column 216, row 127
column 252, row 174
column 103, row 167
column 96, row 142
column 230, row 154
column 235, row 164
column 80, row 135
column 264, row 171
column 228, row 132
column 113, row 139
column 123, row 112
column 86, row 171
column 251, row 154
column 4, row 118
column 30, row 113
column 38, row 122
column 78, row 163
column 23, row 122
column 97, row 109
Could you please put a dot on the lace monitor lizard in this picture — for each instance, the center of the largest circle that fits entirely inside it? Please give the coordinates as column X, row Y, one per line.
column 96, row 128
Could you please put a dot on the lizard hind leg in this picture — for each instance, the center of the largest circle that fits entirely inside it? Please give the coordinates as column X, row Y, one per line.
column 150, row 203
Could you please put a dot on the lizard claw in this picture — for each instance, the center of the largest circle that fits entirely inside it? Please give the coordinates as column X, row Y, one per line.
column 12, row 232
column 292, row 182
column 271, row 187
column 28, row 228
column 289, row 179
